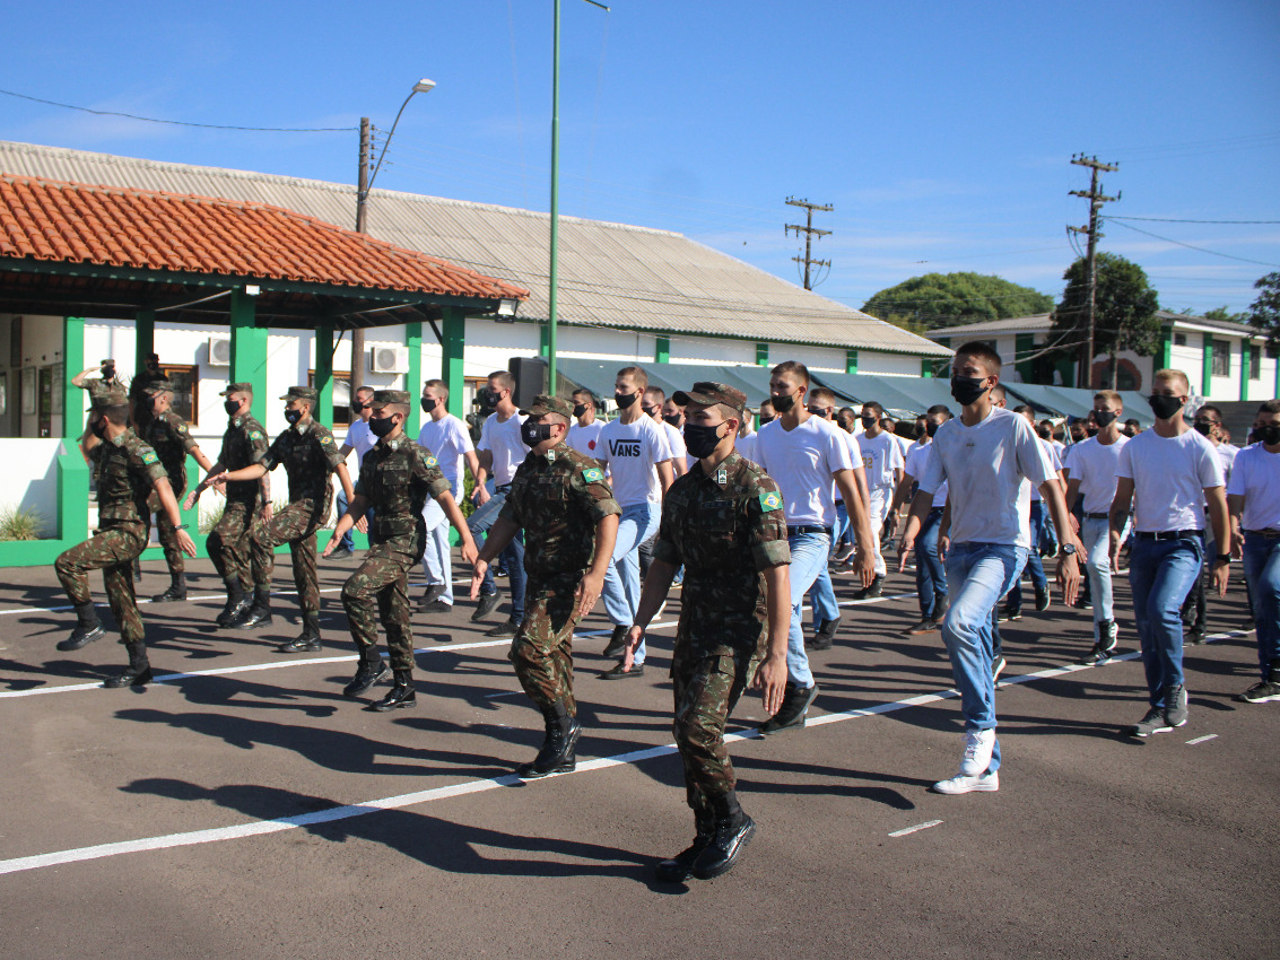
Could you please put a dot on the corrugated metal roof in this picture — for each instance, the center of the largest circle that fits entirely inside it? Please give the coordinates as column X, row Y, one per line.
column 611, row 275
column 1037, row 322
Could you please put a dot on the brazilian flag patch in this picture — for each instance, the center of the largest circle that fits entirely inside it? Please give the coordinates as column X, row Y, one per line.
column 431, row 461
column 593, row 475
column 150, row 457
column 770, row 501
column 255, row 435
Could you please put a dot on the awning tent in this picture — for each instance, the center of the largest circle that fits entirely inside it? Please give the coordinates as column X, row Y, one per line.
column 902, row 397
column 598, row 376
column 1075, row 402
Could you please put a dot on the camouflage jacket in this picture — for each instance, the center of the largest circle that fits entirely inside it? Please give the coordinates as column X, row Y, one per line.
column 396, row 477
column 309, row 457
column 244, row 443
column 558, row 498
column 726, row 529
column 125, row 471
column 168, row 435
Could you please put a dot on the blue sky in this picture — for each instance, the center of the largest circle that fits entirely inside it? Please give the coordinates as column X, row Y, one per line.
column 940, row 132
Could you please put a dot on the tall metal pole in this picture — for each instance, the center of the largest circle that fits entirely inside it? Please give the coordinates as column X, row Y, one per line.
column 555, row 202
column 362, row 196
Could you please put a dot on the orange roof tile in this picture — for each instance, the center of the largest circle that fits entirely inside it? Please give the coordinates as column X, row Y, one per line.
column 153, row 230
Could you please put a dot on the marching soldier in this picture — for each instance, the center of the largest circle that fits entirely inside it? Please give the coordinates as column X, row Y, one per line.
column 566, row 508
column 724, row 522
column 127, row 471
column 396, row 478
column 309, row 455
column 237, row 546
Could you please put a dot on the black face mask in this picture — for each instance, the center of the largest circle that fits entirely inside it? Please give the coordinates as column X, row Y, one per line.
column 429, row 404
column 783, row 404
column 293, row 416
column 357, row 407
column 580, row 409
column 701, row 441
column 1270, row 434
column 232, row 407
column 381, row 426
column 534, row 433
column 99, row 429
column 1044, row 433
column 1163, row 406
column 967, row 390
column 624, row 400
column 1104, row 417
column 931, row 428
column 673, row 419
column 868, row 422
column 1203, row 427
column 764, row 420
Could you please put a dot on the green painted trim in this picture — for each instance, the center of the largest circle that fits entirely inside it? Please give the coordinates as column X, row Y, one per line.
column 75, row 402
column 1206, row 364
column 73, row 473
column 413, row 378
column 322, row 345
column 1245, row 350
column 454, row 333
column 762, row 354
column 249, row 350
column 144, row 325
column 662, row 350
column 1166, row 347
column 544, row 341
column 1024, row 344
column 851, row 360
column 926, row 368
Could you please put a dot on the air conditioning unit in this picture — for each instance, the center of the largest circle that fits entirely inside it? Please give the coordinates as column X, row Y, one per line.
column 219, row 352
column 389, row 360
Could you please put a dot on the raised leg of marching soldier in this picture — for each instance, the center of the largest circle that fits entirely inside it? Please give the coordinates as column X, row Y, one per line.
column 542, row 653
column 229, row 548
column 379, row 590
column 295, row 525
column 168, row 535
column 112, row 551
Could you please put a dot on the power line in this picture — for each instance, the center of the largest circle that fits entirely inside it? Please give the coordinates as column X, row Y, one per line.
column 177, row 123
column 1229, row 256
column 1172, row 220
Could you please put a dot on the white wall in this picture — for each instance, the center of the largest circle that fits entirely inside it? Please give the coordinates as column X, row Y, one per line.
column 30, row 479
column 888, row 364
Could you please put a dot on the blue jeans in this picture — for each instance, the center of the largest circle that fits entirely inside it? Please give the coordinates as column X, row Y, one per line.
column 1262, row 571
column 931, row 579
column 346, row 543
column 843, row 533
column 1160, row 575
column 1096, row 535
column 1038, row 580
column 809, row 552
column 621, row 592
column 978, row 575
column 479, row 523
column 823, row 598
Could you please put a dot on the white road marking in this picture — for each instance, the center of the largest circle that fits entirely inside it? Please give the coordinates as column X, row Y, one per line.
column 1204, row 739
column 919, row 826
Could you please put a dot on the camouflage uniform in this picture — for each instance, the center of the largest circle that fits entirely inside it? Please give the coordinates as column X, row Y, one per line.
column 309, row 456
column 726, row 529
column 168, row 435
column 238, row 545
column 558, row 498
column 125, row 471
column 396, row 477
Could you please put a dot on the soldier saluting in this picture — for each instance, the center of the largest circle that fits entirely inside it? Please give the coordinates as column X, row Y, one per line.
column 309, row 455
column 126, row 472
column 396, row 477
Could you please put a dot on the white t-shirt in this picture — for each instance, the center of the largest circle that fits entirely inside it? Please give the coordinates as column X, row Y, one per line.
column 991, row 467
column 585, row 439
column 631, row 451
column 502, row 439
column 917, row 462
column 361, row 440
column 904, row 445
column 449, row 440
column 802, row 462
column 1256, row 477
column 1094, row 465
column 1051, row 449
column 746, row 446
column 881, row 456
column 1227, row 453
column 675, row 442
column 1170, row 475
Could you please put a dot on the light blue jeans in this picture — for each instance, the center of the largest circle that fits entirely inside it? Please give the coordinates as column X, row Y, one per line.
column 1262, row 570
column 823, row 598
column 809, row 553
column 1161, row 573
column 978, row 575
column 621, row 592
column 1096, row 536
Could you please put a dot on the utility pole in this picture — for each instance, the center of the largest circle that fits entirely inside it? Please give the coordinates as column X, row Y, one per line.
column 809, row 231
column 362, row 196
column 1096, row 199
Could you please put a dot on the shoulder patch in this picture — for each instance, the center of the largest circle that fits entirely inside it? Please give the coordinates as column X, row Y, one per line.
column 256, row 435
column 772, row 500
column 327, row 438
column 149, row 456
column 431, row 461
column 593, row 475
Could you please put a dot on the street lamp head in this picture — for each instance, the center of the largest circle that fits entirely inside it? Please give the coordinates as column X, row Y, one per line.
column 423, row 86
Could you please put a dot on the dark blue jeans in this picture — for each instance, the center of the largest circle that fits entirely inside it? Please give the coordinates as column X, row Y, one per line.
column 931, row 578
column 479, row 523
column 1262, row 571
column 1034, row 566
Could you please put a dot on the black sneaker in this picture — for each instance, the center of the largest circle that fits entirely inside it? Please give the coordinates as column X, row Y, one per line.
column 1152, row 723
column 1108, row 635
column 1195, row 635
column 795, row 704
column 617, row 644
column 342, row 553
column 1042, row 601
column 619, row 671
column 1175, row 705
column 875, row 590
column 487, row 603
column 997, row 667
column 436, row 606
column 1261, row 692
column 1099, row 654
column 434, row 592
column 506, row 629
column 924, row 626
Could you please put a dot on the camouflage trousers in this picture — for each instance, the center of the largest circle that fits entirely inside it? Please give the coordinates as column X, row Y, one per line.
column 379, row 590
column 168, row 533
column 706, row 690
column 296, row 525
column 542, row 650
column 238, row 545
column 111, row 550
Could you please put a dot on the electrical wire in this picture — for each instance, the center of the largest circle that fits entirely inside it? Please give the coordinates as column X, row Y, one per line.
column 1173, row 220
column 1229, row 256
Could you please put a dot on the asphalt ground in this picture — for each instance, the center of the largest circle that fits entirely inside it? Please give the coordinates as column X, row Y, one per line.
column 242, row 808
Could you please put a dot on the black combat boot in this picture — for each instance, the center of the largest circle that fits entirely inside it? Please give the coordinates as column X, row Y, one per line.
column 259, row 613
column 400, row 695
column 308, row 640
column 617, row 644
column 137, row 674
column 680, row 867
column 734, row 830
column 825, row 636
column 370, row 671
column 557, row 753
column 177, row 590
column 795, row 703
column 237, row 603
column 88, row 628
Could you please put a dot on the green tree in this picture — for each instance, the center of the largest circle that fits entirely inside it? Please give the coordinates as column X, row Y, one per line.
column 947, row 299
column 1125, row 308
column 1222, row 313
column 1264, row 314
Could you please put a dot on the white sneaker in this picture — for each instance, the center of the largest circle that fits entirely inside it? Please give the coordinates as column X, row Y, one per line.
column 978, row 747
column 984, row 783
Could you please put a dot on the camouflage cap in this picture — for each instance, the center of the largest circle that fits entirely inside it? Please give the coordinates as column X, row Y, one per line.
column 109, row 396
column 382, row 398
column 708, row 393
column 236, row 388
column 161, row 385
column 301, row 393
column 543, row 405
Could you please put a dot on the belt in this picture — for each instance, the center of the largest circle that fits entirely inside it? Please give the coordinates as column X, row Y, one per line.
column 1264, row 534
column 807, row 528
column 1167, row 534
column 1097, row 516
column 502, row 488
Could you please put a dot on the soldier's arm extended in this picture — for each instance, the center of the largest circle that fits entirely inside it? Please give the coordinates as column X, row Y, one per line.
column 864, row 557
column 169, row 504
column 357, row 506
column 500, row 534
column 200, row 487
column 771, row 675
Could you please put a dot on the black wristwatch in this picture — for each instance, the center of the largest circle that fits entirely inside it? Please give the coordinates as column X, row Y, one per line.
column 1222, row 558
column 1068, row 550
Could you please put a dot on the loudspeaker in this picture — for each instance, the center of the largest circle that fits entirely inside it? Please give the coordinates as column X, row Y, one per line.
column 531, row 379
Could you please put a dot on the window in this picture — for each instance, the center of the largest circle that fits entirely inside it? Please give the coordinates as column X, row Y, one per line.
column 341, row 396
column 186, row 390
column 1221, row 357
column 1255, row 363
column 1179, row 339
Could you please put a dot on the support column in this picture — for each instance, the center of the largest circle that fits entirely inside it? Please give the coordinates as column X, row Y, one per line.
column 249, row 350
column 1165, row 355
column 662, row 350
column 144, row 340
column 413, row 378
column 1246, row 350
column 762, row 354
column 1206, row 364
column 73, row 474
column 851, row 361
column 926, row 368
column 454, row 333
column 544, row 341
column 322, row 342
